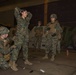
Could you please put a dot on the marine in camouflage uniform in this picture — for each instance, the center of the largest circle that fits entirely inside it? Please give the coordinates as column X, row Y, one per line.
column 22, row 37
column 4, row 50
column 53, row 37
column 38, row 35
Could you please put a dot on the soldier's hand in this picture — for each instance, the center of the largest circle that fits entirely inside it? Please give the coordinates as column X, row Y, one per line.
column 13, row 46
column 5, row 42
column 16, row 8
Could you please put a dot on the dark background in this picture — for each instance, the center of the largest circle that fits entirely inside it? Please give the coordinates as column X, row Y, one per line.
column 66, row 11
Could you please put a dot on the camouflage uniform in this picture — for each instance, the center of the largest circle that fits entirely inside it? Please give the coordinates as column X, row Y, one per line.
column 53, row 38
column 38, row 36
column 3, row 50
column 22, row 36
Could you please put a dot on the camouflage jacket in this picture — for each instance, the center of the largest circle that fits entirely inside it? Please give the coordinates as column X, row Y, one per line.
column 38, row 30
column 22, row 24
column 3, row 48
column 54, row 28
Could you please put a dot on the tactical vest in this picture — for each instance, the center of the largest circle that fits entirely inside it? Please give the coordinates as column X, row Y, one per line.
column 53, row 29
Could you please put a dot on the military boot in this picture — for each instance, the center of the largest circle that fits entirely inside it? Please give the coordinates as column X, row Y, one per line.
column 45, row 57
column 10, row 64
column 27, row 62
column 53, row 58
column 14, row 67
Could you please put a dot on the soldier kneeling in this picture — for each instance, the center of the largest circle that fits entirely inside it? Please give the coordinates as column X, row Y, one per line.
column 4, row 49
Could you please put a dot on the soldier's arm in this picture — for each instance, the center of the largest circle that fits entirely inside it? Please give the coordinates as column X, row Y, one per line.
column 29, row 16
column 46, row 31
column 3, row 51
column 17, row 12
column 59, row 28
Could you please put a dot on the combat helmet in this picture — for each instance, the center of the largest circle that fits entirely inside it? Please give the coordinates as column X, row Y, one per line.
column 53, row 16
column 4, row 30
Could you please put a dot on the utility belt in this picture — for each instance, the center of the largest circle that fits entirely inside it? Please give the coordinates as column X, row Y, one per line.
column 54, row 35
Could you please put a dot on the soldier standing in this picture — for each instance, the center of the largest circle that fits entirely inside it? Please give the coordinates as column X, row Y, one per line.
column 53, row 37
column 22, row 38
column 38, row 35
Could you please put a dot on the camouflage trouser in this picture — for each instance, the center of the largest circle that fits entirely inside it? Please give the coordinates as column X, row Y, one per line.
column 48, row 43
column 55, row 45
column 38, row 41
column 3, row 63
column 52, row 44
column 21, row 41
